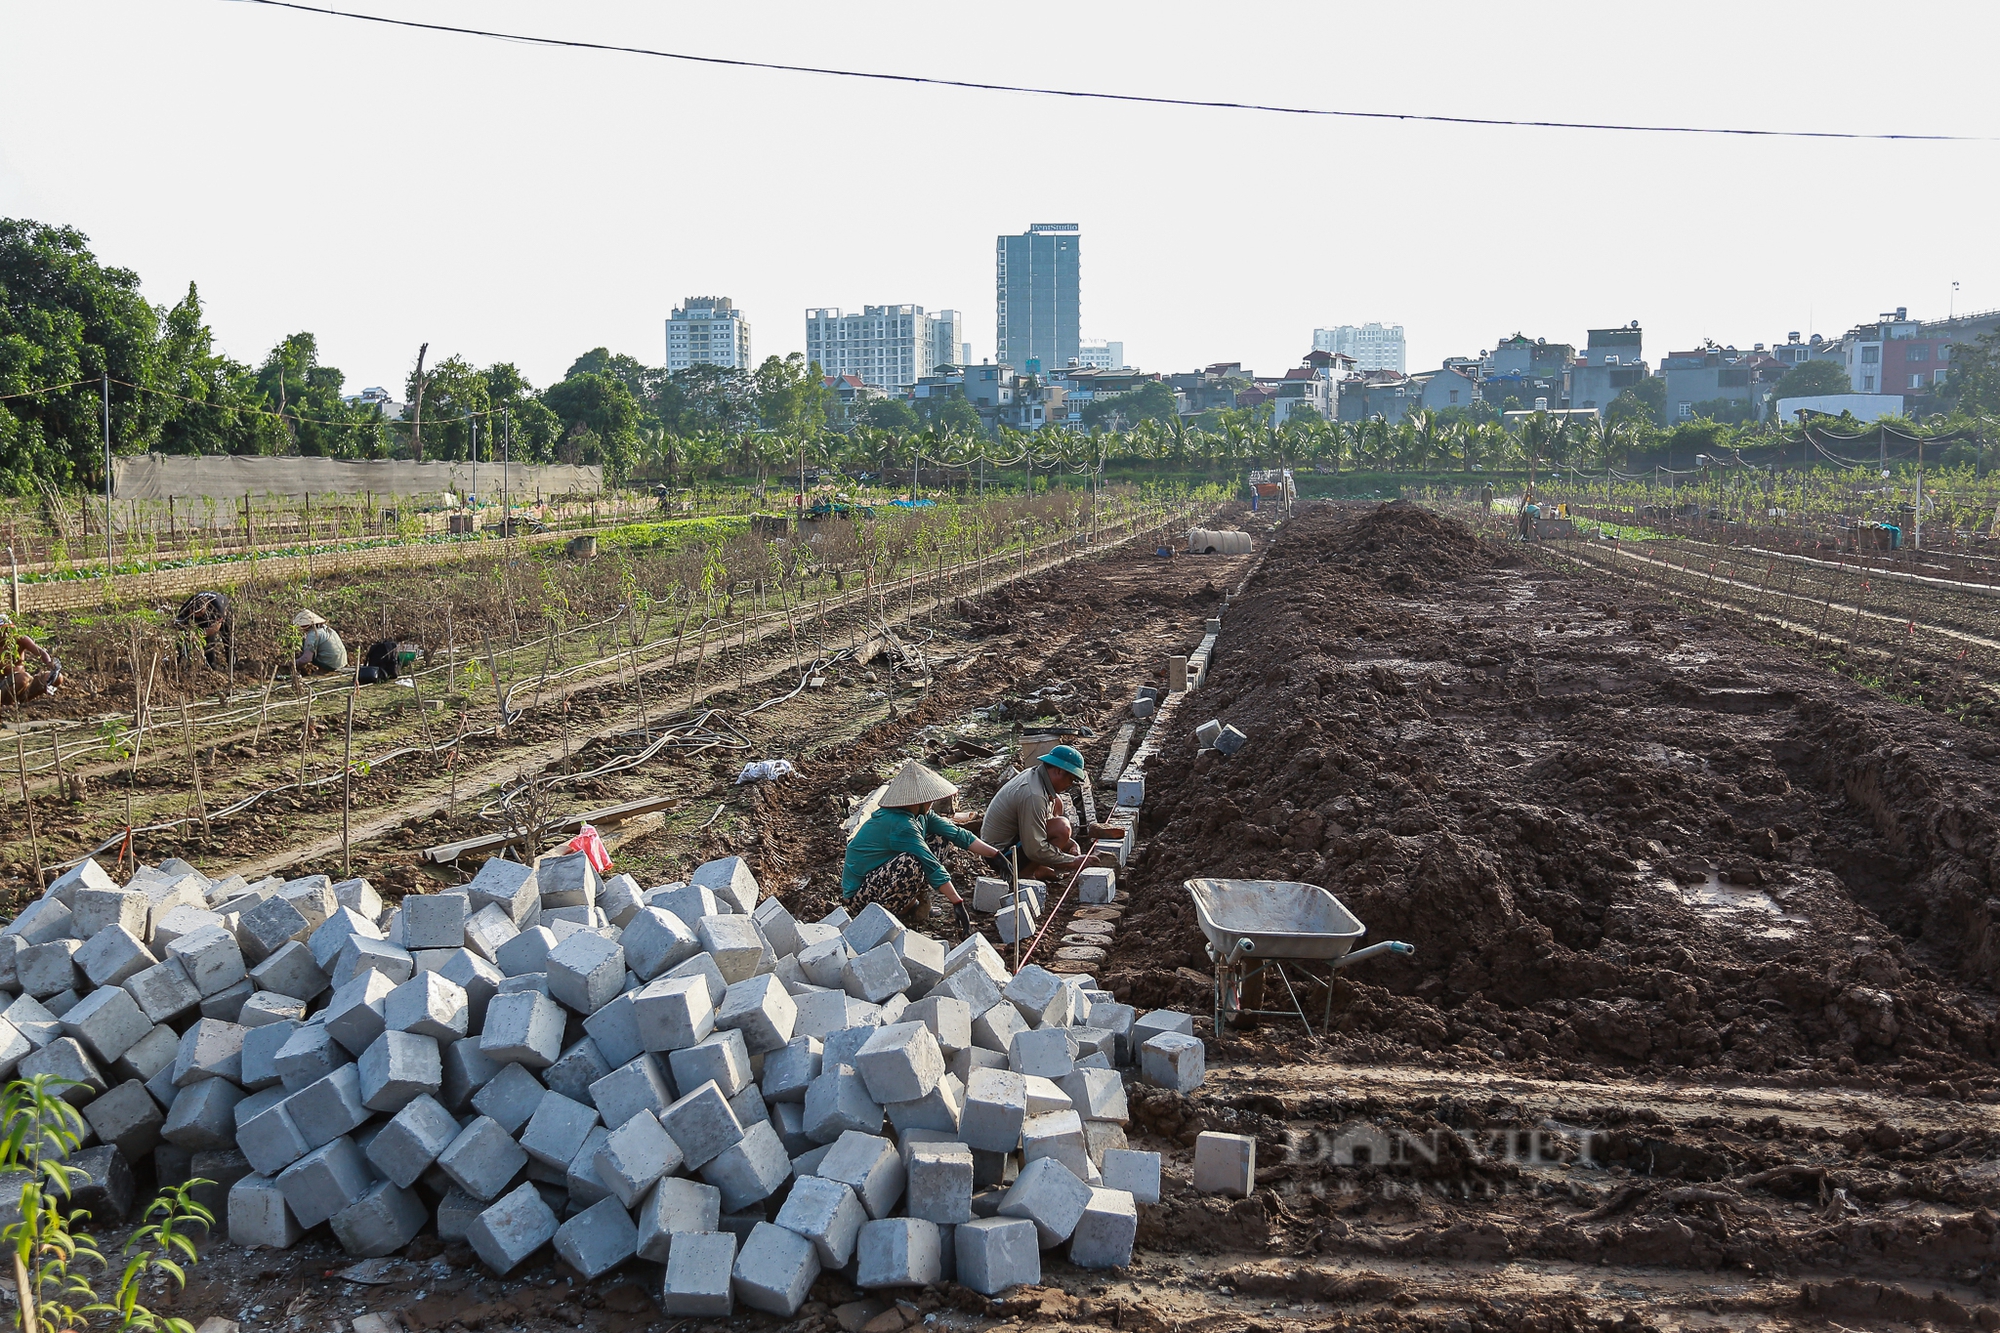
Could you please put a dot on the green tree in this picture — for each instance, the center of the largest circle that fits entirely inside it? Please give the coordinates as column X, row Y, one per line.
column 890, row 414
column 950, row 413
column 1149, row 401
column 600, row 422
column 791, row 395
column 1644, row 401
column 1811, row 379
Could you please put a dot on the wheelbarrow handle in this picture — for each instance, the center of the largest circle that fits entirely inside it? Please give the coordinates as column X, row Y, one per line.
column 1238, row 949
column 1386, row 946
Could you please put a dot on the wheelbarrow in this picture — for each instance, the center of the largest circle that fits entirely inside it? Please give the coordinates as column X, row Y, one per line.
column 1260, row 927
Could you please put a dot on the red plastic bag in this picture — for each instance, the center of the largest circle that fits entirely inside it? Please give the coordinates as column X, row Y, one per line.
column 591, row 844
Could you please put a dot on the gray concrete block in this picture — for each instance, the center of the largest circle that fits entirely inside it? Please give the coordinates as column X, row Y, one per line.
column 93, row 910
column 556, row 1130
column 750, row 1170
column 488, row 930
column 523, row 1028
column 268, row 927
column 178, row 922
column 922, row 958
column 42, row 970
column 676, row 1206
column 748, row 1106
column 820, row 1013
column 210, row 1048
column 730, row 880
column 107, row 1021
column 324, row 1181
column 872, row 927
column 534, row 981
column 127, row 1117
column 313, row 896
column 526, row 952
column 1045, row 1095
column 996, row 1104
column 580, row 1065
column 948, row 1018
column 227, row 1005
column 1050, row 1195
column 359, row 896
column 467, row 1069
column 970, row 984
column 211, row 957
column 1046, row 1053
column 821, row 963
column 737, row 946
column 1172, row 1060
column 779, row 928
column 260, row 1051
column 1157, row 1021
column 61, row 1002
column 409, row 1144
column 837, row 1102
column 15, row 1047
column 429, row 1005
column 615, row 1029
column 635, row 1156
column 775, row 1271
column 85, row 874
column 722, row 1057
column 482, row 1160
column 698, row 1279
column 586, row 971
column 827, row 1213
column 761, row 1011
column 620, row 898
column 581, row 1179
column 900, row 1063
column 876, row 975
column 382, row 1221
column 360, row 955
column 673, row 1013
column 898, row 1252
column 1104, row 1234
column 329, row 1108
column 871, row 1165
column 1095, row 1041
column 1057, row 1135
column 1097, row 1094
column 568, row 880
column 1137, row 1173
column 397, row 1068
column 892, row 1010
column 843, row 1044
column 703, row 966
column 434, row 921
column 270, row 1140
column 513, row 1228
column 509, row 1097
column 290, row 970
column 356, row 1015
column 997, row 1253
column 941, row 1109
column 1097, row 886
column 331, row 935
column 702, row 1124
column 940, row 1182
column 996, row 1028
column 478, row 978
column 260, row 1217
column 309, row 1054
column 1225, row 1164
column 507, row 884
column 689, row 902
column 789, row 1071
column 598, row 1239
column 1038, row 994
column 656, row 940
column 456, row 1214
column 265, row 1008
column 635, row 1086
column 789, row 1119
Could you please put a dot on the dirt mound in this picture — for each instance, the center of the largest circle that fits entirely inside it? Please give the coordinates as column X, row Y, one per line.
column 1603, row 857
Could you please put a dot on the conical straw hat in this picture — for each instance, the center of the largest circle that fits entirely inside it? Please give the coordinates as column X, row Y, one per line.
column 916, row 785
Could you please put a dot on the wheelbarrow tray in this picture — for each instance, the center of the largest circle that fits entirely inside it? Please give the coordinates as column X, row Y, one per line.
column 1281, row 918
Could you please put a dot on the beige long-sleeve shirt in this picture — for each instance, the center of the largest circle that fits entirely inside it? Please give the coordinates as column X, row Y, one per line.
column 1020, row 812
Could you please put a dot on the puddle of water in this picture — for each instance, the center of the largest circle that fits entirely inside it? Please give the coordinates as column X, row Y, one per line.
column 1736, row 901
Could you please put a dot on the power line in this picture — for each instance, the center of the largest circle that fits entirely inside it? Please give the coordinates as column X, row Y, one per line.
column 1089, row 95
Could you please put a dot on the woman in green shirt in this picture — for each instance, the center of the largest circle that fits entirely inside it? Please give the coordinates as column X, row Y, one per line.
column 890, row 859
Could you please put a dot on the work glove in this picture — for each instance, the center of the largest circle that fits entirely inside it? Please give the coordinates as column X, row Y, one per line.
column 964, row 915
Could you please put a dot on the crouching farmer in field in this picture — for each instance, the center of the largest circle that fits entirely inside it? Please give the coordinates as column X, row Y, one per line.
column 892, row 859
column 320, row 650
column 19, row 685
column 1029, row 814
column 207, row 615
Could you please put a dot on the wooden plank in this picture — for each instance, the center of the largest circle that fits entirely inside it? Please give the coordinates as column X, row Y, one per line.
column 445, row 853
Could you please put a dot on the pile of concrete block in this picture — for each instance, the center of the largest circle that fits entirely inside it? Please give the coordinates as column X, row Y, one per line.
column 682, row 1075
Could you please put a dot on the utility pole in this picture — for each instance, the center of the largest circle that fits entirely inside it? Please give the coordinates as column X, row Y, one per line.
column 417, row 421
column 1917, row 517
column 107, row 473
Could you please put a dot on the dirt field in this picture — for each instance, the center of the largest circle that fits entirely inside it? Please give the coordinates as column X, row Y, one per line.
column 1700, row 1029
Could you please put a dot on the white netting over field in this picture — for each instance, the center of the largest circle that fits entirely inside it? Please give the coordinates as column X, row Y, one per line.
column 159, row 476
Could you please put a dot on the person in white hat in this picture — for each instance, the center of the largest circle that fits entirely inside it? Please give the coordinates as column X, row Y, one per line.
column 891, row 859
column 17, row 684
column 320, row 648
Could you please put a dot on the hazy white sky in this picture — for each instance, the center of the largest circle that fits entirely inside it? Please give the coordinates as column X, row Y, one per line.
column 382, row 187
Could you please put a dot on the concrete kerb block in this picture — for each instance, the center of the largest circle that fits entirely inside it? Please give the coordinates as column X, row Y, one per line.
column 260, row 1216
column 673, row 1013
column 433, row 921
column 619, row 897
column 93, row 910
column 428, row 1005
column 702, row 1124
column 1014, row 923
column 900, row 1063
column 524, row 1028
column 822, row 963
column 899, row 1252
column 1137, row 1173
column 268, row 927
column 750, row 1170
column 826, row 1212
column 821, row 1013
column 655, row 939
column 1045, row 1096
column 778, row 926
column 407, row 1146
column 1097, row 886
column 1051, row 1196
column 872, row 927
column 789, row 1071
column 487, row 931
column 1104, row 1234
column 86, row 874
column 737, row 946
column 579, row 1066
column 586, row 971
column 1057, row 1135
column 467, row 1069
column 699, row 1276
column 635, row 1086
column 481, row 1159
column 510, row 1097
column 948, row 1018
column 127, row 1117
column 328, row 1108
column 265, row 1008
column 689, row 902
column 107, row 1021
column 108, row 958
column 995, row 1028
column 511, row 1229
column 1097, row 1094
column 324, row 1181
column 615, row 1029
column 722, row 1057
column 869, row 1164
column 332, row 934
column 775, row 1270
column 598, row 1239
column 211, row 957
column 843, row 1044
column 635, row 1156
column 761, row 1011
column 556, row 1130
column 1225, row 1164
column 580, row 1178
column 313, row 896
column 1037, row 993
column 996, row 1104
column 358, row 896
column 397, row 1068
column 382, row 1221
column 940, row 1182
column 996, row 1253
column 730, row 880
column 1208, row 733
column 838, row 1102
column 508, row 885
column 290, row 970
column 568, row 880
column 203, row 1118
column 676, row 1206
column 875, row 975
column 1048, row 1053
column 360, row 955
column 210, row 1048
column 355, row 1016
column 1230, row 740
column 1173, row 1060
column 527, row 952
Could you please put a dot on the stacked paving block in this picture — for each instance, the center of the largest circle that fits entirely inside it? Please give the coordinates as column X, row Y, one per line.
column 551, row 1059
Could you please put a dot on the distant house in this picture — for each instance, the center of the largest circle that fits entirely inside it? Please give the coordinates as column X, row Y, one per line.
column 1448, row 387
column 1613, row 361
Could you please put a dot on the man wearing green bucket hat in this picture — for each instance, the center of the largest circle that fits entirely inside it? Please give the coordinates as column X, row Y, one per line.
column 1029, row 813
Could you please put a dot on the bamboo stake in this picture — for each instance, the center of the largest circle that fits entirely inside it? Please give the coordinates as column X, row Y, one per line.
column 34, row 838
column 347, row 780
column 305, row 737
column 194, row 767
column 265, row 711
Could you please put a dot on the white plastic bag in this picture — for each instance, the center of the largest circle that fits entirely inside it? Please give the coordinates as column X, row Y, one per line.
column 764, row 768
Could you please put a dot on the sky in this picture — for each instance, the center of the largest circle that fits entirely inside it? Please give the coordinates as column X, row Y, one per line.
column 382, row 187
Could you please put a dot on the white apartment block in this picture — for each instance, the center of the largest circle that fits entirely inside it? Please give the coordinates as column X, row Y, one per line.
column 1100, row 354
column 1373, row 346
column 885, row 346
column 708, row 331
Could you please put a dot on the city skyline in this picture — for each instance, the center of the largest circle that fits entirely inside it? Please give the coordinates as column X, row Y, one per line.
column 558, row 269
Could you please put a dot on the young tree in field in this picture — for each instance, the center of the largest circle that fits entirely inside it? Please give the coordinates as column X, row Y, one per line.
column 1812, row 379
